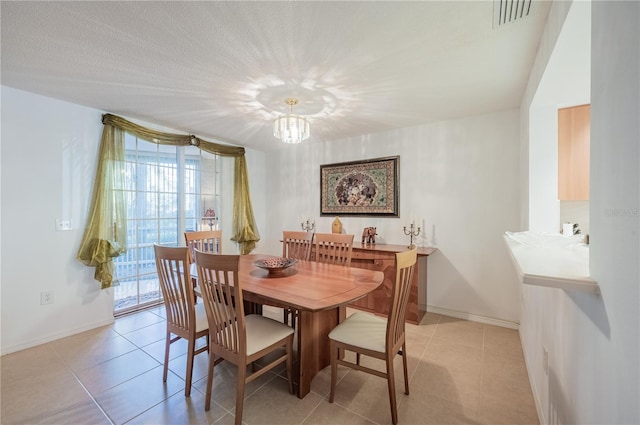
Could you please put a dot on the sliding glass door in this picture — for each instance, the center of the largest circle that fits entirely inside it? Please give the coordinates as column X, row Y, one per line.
column 168, row 189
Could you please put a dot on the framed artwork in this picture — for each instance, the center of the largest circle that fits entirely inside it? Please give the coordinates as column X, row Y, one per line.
column 368, row 187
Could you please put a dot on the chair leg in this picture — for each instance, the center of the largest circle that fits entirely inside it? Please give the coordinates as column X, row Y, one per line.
column 191, row 347
column 391, row 383
column 289, row 363
column 212, row 362
column 334, row 369
column 166, row 356
column 404, row 365
column 242, row 380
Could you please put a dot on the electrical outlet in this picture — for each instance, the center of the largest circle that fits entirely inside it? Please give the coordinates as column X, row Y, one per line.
column 62, row 225
column 545, row 360
column 46, row 297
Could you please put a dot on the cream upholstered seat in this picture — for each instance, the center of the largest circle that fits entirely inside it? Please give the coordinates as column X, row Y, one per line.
column 237, row 338
column 373, row 336
column 296, row 245
column 185, row 319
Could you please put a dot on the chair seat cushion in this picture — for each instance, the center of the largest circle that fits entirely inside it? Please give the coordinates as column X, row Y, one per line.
column 201, row 318
column 362, row 330
column 262, row 332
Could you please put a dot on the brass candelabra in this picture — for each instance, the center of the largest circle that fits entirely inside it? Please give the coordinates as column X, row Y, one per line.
column 411, row 233
column 308, row 225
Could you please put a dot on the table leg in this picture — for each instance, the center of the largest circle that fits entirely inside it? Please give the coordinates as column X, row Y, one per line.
column 313, row 344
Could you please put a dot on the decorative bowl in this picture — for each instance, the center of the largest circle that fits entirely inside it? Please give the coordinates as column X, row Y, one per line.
column 275, row 265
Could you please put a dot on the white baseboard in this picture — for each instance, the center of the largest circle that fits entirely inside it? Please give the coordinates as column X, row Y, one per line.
column 473, row 317
column 52, row 337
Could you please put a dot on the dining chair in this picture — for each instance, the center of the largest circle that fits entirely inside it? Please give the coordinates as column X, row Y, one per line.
column 296, row 245
column 373, row 336
column 334, row 248
column 185, row 319
column 237, row 338
column 204, row 240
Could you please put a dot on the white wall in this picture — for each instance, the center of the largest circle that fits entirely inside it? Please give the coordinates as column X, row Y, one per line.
column 49, row 152
column 592, row 340
column 458, row 177
column 544, row 207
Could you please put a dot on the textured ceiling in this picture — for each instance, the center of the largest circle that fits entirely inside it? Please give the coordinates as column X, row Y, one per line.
column 222, row 70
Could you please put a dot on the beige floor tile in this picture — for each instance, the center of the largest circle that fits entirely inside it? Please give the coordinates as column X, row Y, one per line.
column 503, row 342
column 273, row 404
column 367, row 395
column 460, row 372
column 81, row 412
column 160, row 310
column 332, row 414
column 137, row 395
column 200, row 366
column 156, row 349
column 223, row 389
column 321, row 383
column 116, row 371
column 471, row 335
column 430, row 319
column 179, row 409
column 501, row 408
column 454, row 321
column 506, row 400
column 132, row 322
column 33, row 398
column 459, row 386
column 454, row 353
column 504, row 366
column 33, row 362
column 148, row 335
column 91, row 348
column 178, row 348
column 434, row 410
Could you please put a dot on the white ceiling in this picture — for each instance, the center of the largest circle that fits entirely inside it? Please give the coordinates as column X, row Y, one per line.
column 222, row 70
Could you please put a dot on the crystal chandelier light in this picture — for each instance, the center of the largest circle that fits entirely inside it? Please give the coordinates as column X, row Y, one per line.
column 291, row 128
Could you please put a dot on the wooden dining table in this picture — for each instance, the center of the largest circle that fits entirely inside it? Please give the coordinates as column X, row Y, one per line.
column 320, row 292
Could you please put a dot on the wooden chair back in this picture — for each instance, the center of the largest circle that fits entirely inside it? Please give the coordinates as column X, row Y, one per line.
column 297, row 245
column 204, row 240
column 172, row 264
column 185, row 319
column 333, row 248
column 222, row 298
column 405, row 267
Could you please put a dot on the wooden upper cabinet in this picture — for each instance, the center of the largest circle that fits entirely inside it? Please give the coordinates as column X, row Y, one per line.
column 573, row 153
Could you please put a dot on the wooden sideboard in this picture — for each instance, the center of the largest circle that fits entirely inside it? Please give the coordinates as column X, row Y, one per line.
column 382, row 257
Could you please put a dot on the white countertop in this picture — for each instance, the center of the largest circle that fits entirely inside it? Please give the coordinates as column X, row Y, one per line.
column 553, row 260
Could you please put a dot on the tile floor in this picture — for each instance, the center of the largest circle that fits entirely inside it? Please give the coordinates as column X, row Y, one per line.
column 460, row 373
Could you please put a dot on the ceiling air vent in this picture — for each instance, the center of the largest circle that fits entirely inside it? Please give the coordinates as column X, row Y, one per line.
column 510, row 11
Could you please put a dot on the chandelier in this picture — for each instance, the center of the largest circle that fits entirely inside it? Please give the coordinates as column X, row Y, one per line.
column 291, row 128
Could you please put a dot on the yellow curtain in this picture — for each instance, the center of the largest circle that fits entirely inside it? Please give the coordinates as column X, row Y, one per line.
column 105, row 234
column 245, row 231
